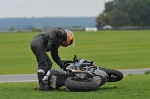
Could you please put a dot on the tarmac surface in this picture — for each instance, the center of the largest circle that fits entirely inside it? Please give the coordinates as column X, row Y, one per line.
column 33, row 77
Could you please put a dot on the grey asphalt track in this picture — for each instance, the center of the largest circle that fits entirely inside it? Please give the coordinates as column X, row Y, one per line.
column 33, row 77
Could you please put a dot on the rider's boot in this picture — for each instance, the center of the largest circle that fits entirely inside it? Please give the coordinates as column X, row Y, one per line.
column 46, row 79
column 43, row 85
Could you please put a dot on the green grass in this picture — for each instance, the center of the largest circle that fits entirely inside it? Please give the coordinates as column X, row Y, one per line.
column 110, row 49
column 131, row 87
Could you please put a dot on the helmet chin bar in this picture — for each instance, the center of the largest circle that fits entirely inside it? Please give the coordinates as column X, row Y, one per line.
column 63, row 44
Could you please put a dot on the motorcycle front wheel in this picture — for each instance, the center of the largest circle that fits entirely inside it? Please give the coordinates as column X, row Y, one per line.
column 114, row 75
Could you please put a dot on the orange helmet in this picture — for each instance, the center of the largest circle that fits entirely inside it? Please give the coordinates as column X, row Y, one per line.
column 70, row 38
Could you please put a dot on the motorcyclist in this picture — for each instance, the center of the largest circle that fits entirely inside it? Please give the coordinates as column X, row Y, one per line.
column 49, row 41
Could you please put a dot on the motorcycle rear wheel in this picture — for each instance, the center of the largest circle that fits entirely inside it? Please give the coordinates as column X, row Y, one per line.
column 88, row 84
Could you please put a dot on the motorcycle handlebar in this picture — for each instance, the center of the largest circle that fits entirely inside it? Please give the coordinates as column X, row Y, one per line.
column 74, row 58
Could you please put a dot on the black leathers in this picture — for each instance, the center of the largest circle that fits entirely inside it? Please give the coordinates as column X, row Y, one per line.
column 48, row 41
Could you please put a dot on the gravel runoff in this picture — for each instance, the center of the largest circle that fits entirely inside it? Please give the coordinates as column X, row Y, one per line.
column 33, row 77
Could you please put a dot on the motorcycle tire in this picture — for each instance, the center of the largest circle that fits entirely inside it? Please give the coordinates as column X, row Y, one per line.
column 114, row 75
column 88, row 84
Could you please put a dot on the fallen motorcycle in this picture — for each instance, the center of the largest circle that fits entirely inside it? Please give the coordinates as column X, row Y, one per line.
column 82, row 75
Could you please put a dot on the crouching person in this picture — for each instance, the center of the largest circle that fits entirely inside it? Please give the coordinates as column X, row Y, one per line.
column 49, row 41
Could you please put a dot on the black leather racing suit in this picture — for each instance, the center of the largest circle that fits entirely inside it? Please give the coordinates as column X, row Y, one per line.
column 44, row 42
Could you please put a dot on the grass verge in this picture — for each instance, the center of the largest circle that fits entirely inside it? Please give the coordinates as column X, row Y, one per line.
column 131, row 87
